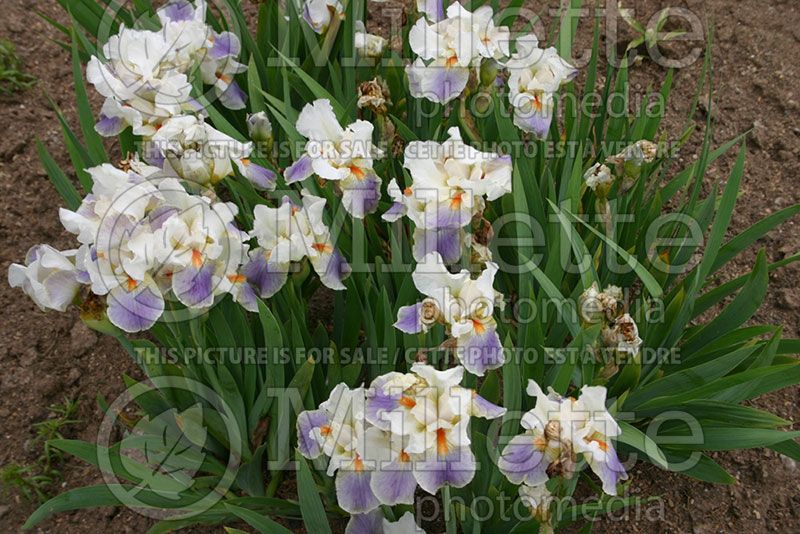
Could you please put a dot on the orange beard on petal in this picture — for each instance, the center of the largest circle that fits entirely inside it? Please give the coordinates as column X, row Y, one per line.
column 357, row 172
column 237, row 278
column 404, row 457
column 132, row 284
column 456, row 201
column 197, row 258
column 358, row 464
column 441, row 442
column 479, row 327
column 537, row 103
column 408, row 402
column 321, row 247
column 452, row 61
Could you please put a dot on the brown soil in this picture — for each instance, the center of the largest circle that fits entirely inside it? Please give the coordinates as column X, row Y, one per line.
column 46, row 357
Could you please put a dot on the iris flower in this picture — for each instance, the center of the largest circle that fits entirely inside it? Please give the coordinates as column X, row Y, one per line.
column 341, row 155
column 319, row 14
column 535, row 75
column 451, row 182
column 190, row 148
column 557, row 431
column 405, row 430
column 144, row 74
column 288, row 234
column 465, row 306
column 49, row 277
column 145, row 237
column 449, row 47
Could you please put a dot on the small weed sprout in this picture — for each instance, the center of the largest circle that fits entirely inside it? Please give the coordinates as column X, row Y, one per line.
column 35, row 481
column 648, row 36
column 12, row 77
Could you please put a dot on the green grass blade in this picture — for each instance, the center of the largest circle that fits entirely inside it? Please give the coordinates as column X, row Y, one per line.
column 93, row 140
column 68, row 193
column 261, row 523
column 311, row 507
column 644, row 275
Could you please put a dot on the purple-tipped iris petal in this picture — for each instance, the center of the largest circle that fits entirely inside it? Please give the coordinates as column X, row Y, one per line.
column 523, row 460
column 307, row 443
column 309, row 20
column 160, row 215
column 136, row 310
column 232, row 96
column 246, row 297
column 267, row 278
column 456, row 467
column 299, row 170
column 536, row 123
column 361, row 197
column 226, row 45
column 332, row 270
column 110, row 126
column 194, row 286
column 483, row 408
column 380, row 401
column 480, row 352
column 396, row 211
column 394, row 483
column 371, row 523
column 83, row 277
column 152, row 154
column 450, row 215
column 445, row 241
column 433, row 9
column 447, row 83
column 261, row 177
column 409, row 319
column 196, row 106
column 609, row 471
column 178, row 11
column 353, row 491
